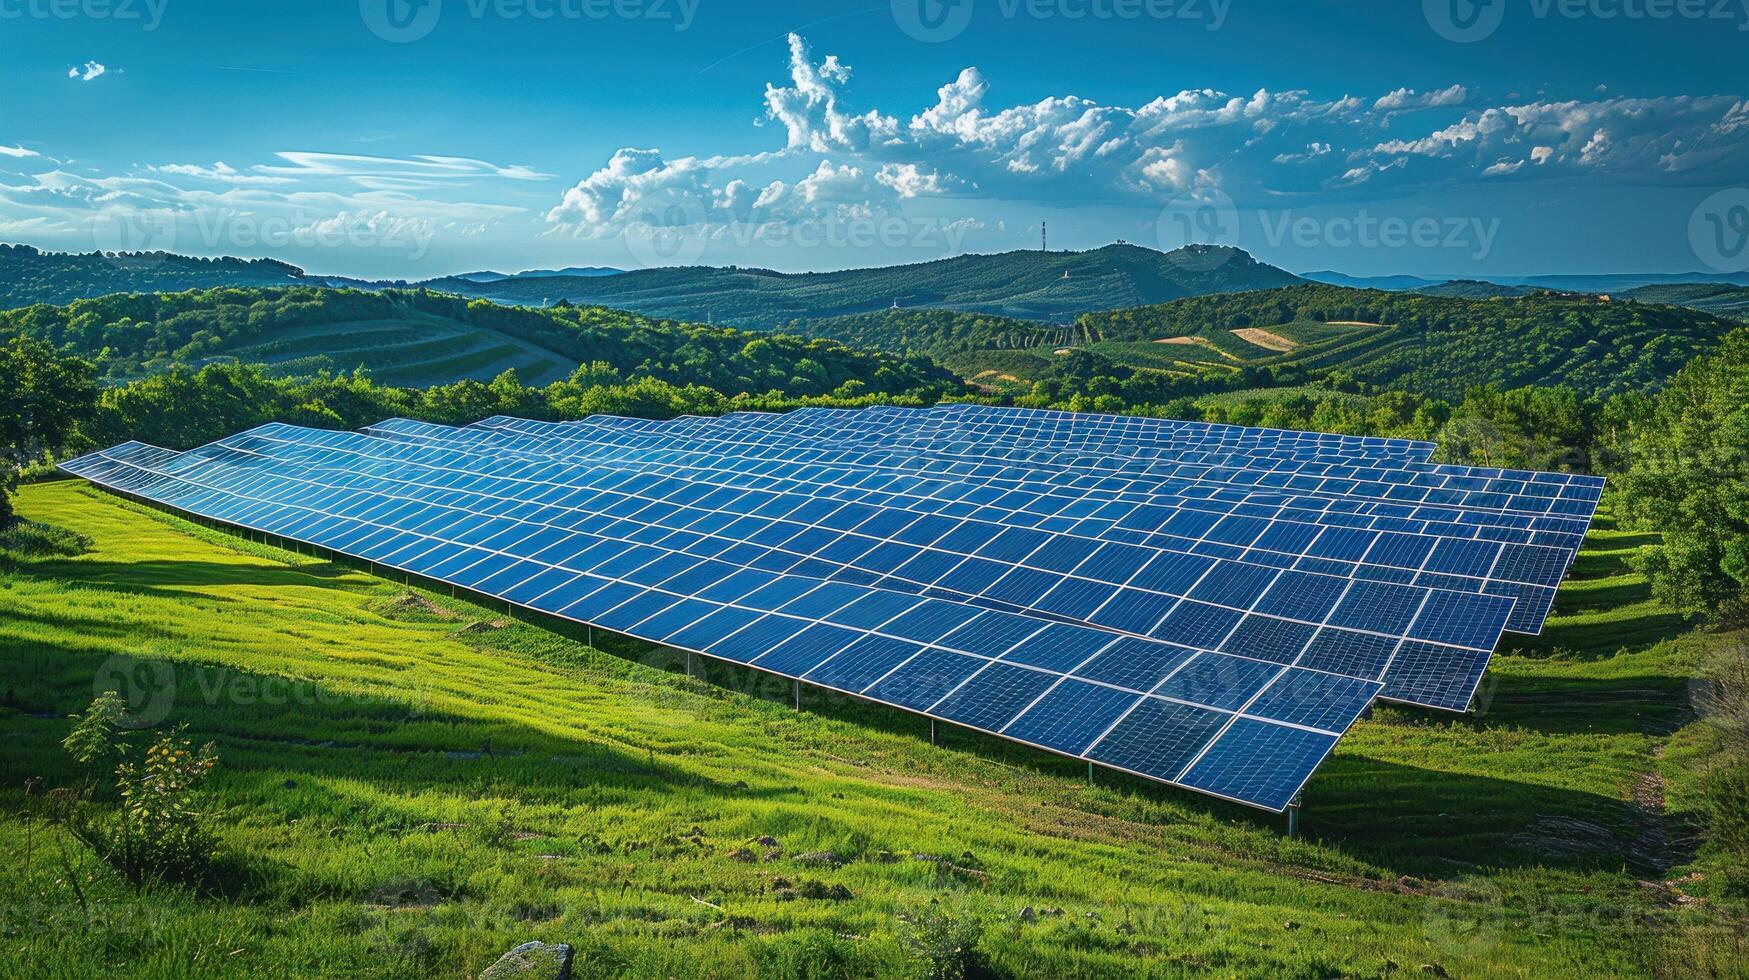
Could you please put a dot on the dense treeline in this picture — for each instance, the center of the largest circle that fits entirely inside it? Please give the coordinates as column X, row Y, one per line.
column 132, row 335
column 29, row 276
column 184, row 408
column 1444, row 344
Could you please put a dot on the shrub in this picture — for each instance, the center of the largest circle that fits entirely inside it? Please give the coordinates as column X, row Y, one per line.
column 159, row 834
column 947, row 944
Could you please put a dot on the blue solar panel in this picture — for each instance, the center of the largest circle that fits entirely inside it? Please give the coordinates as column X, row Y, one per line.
column 1224, row 601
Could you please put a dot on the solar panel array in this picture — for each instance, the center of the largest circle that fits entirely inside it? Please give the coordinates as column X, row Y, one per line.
column 1206, row 605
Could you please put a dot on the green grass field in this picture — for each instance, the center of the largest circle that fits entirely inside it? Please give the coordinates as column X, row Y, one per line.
column 411, row 784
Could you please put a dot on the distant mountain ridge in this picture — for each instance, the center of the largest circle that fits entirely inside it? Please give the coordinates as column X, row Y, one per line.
column 1032, row 285
column 1035, row 285
column 1719, row 299
column 576, row 270
column 1609, row 282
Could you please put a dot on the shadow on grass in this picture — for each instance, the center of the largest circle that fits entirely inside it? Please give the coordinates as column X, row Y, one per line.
column 1652, row 704
column 1602, row 635
column 1436, row 823
column 165, row 578
column 266, row 721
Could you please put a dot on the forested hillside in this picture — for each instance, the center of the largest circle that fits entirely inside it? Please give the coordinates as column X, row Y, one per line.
column 28, row 275
column 1722, row 299
column 1027, row 285
column 935, row 332
column 1473, row 289
column 421, row 338
column 1430, row 345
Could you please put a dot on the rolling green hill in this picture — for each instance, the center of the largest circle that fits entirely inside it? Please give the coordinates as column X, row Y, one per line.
column 1024, row 285
column 1434, row 346
column 409, row 784
column 1720, row 299
column 416, row 338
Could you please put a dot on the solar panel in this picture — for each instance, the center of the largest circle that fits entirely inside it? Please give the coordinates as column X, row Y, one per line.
column 1504, row 557
column 1209, row 606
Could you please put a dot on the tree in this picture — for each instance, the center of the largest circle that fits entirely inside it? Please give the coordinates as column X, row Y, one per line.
column 44, row 398
column 1688, row 476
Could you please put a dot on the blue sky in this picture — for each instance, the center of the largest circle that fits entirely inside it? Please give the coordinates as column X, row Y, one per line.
column 416, row 138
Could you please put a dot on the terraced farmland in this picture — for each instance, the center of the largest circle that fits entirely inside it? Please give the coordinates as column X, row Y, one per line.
column 1309, row 344
column 414, row 350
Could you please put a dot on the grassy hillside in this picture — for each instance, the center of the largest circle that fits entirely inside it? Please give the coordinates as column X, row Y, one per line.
column 410, row 785
column 1430, row 345
column 420, row 338
column 1024, row 285
column 29, row 276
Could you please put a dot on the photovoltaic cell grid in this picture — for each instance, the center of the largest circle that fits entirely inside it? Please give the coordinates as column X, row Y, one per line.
column 1084, row 584
column 1443, row 640
column 1498, row 554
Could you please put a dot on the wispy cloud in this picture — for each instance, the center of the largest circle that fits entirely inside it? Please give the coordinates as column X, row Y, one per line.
column 89, row 72
column 303, row 200
column 17, row 152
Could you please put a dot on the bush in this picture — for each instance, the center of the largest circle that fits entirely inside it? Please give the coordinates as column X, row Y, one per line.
column 948, row 944
column 29, row 539
column 159, row 833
